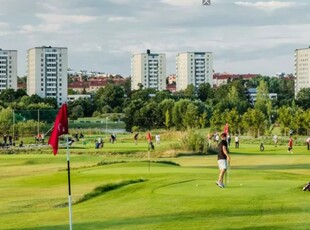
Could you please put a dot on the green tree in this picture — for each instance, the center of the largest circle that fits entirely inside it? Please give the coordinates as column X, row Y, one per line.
column 204, row 91
column 303, row 98
column 217, row 120
column 254, row 122
column 285, row 118
column 166, row 106
column 77, row 112
column 6, row 120
column 111, row 95
column 178, row 112
column 132, row 113
column 190, row 92
column 262, row 98
column 191, row 116
column 298, row 120
column 234, row 121
column 167, row 119
column 150, row 116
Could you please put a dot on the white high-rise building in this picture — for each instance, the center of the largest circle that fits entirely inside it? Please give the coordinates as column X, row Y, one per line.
column 8, row 69
column 47, row 72
column 302, row 69
column 148, row 70
column 193, row 68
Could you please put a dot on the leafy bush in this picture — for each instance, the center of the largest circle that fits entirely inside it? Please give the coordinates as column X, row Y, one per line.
column 194, row 141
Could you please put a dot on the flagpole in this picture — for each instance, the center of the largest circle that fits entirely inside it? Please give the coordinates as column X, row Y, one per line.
column 60, row 128
column 69, row 184
column 149, row 158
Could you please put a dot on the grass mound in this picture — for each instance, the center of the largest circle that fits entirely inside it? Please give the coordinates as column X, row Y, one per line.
column 110, row 162
column 106, row 188
column 166, row 162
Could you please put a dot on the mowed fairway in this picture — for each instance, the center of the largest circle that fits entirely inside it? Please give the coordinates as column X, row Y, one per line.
column 264, row 191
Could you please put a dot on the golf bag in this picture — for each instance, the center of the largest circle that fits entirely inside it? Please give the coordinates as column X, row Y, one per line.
column 152, row 146
column 307, row 187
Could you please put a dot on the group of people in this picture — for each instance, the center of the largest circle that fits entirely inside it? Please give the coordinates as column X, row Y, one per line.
column 149, row 139
column 223, row 157
column 216, row 138
column 290, row 143
column 7, row 140
column 40, row 138
column 99, row 143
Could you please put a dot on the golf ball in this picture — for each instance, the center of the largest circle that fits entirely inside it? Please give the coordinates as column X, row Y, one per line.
column 240, row 184
column 196, row 185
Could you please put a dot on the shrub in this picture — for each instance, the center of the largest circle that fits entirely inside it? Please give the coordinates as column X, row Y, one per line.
column 194, row 141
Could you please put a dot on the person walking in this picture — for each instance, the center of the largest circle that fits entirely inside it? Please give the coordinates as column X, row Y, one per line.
column 290, row 144
column 222, row 159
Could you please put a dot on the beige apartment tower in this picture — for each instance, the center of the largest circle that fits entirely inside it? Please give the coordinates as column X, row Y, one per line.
column 302, row 69
column 8, row 69
column 47, row 72
column 148, row 70
column 193, row 68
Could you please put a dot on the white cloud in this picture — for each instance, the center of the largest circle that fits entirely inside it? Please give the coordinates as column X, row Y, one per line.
column 4, row 25
column 181, row 2
column 60, row 19
column 55, row 22
column 122, row 19
column 269, row 5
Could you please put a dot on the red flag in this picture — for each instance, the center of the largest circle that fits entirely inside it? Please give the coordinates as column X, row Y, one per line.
column 60, row 127
column 226, row 128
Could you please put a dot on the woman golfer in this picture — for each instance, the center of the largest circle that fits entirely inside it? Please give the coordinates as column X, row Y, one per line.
column 222, row 159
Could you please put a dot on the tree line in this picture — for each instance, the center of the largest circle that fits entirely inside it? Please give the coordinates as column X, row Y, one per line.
column 205, row 106
column 200, row 107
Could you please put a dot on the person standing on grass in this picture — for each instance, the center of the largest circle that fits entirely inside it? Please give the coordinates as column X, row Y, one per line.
column 275, row 140
column 136, row 138
column 308, row 143
column 236, row 141
column 290, row 144
column 149, row 140
column 222, row 160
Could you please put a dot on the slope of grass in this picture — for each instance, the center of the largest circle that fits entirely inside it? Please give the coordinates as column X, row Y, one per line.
column 264, row 191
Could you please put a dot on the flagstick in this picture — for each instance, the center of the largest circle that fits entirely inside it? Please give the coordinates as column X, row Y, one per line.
column 149, row 158
column 227, row 177
column 69, row 184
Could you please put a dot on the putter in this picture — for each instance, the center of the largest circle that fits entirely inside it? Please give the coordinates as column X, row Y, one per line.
column 226, row 176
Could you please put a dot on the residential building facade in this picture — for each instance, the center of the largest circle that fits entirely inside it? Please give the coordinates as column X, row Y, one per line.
column 47, row 72
column 194, row 68
column 148, row 70
column 223, row 78
column 8, row 69
column 302, row 69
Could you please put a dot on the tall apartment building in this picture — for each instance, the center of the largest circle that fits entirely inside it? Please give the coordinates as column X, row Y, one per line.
column 149, row 70
column 193, row 68
column 8, row 69
column 47, row 72
column 302, row 69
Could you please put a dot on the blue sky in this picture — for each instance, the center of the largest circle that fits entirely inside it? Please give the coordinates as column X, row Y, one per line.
column 101, row 35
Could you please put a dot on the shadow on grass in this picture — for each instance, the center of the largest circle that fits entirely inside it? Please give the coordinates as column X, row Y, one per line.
column 186, row 220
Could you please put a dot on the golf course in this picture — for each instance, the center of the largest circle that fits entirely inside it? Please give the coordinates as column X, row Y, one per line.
column 117, row 187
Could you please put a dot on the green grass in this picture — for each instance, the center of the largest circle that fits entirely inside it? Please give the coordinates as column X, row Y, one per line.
column 264, row 190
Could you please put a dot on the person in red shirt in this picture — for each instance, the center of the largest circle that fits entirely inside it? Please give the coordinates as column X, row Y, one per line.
column 149, row 140
column 290, row 144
